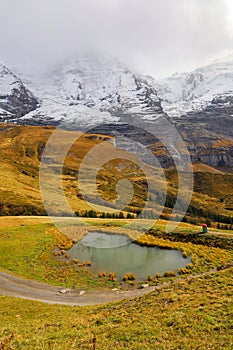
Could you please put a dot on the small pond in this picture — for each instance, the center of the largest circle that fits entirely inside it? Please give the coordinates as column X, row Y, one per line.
column 125, row 256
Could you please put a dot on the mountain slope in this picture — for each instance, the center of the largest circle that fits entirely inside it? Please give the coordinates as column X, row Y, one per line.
column 91, row 89
column 184, row 92
column 15, row 99
column 21, row 148
column 200, row 104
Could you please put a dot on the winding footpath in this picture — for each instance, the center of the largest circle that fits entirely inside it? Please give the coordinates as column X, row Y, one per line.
column 33, row 290
column 13, row 286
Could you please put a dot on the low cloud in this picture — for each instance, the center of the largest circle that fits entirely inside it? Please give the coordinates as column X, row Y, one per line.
column 156, row 37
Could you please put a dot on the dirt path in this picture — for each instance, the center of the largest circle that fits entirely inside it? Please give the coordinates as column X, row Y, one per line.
column 29, row 289
column 33, row 290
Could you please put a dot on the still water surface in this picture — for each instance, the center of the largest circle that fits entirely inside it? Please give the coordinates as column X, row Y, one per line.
column 118, row 254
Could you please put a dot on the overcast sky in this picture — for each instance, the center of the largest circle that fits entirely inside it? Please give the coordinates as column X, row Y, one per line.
column 156, row 37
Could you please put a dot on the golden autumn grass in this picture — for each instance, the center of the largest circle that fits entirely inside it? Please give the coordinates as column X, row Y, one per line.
column 21, row 148
column 187, row 315
column 166, row 319
column 193, row 313
column 28, row 251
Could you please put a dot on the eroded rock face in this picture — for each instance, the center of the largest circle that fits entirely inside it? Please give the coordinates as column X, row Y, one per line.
column 15, row 99
column 208, row 132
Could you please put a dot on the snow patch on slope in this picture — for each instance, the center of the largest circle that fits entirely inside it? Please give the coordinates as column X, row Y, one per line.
column 184, row 92
column 92, row 89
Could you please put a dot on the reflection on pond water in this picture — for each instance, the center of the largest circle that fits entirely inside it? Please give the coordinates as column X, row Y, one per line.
column 125, row 256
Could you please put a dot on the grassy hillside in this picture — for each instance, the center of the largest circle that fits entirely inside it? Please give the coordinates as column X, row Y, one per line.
column 34, row 243
column 21, row 148
column 191, row 311
column 190, row 314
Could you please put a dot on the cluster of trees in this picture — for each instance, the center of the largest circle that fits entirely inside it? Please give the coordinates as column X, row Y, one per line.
column 225, row 219
column 195, row 214
column 225, row 226
column 103, row 215
column 9, row 209
column 197, row 221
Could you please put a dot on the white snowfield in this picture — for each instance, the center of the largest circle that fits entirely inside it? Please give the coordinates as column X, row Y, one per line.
column 92, row 89
column 98, row 89
column 185, row 92
column 4, row 113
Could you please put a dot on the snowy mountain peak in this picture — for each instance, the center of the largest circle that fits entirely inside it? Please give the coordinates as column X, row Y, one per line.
column 8, row 80
column 228, row 59
column 184, row 92
column 90, row 89
column 15, row 98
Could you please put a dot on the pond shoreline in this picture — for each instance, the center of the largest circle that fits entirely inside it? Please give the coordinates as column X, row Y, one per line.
column 116, row 253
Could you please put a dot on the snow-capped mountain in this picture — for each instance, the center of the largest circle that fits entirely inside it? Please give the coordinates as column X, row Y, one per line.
column 90, row 89
column 185, row 92
column 15, row 99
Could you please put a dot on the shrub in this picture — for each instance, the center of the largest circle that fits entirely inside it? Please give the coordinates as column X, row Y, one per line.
column 29, row 152
column 129, row 277
column 76, row 261
column 132, row 283
column 150, row 278
column 103, row 274
column 157, row 275
column 183, row 271
column 189, row 266
column 89, row 263
column 67, row 256
column 169, row 274
column 112, row 276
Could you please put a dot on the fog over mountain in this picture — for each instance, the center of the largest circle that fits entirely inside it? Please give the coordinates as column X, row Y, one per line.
column 82, row 63
column 156, row 37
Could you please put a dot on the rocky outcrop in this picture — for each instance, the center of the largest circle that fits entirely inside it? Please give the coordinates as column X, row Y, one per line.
column 15, row 99
column 209, row 133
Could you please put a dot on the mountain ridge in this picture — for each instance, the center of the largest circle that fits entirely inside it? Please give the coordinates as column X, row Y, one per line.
column 103, row 90
column 15, row 99
column 87, row 91
column 184, row 92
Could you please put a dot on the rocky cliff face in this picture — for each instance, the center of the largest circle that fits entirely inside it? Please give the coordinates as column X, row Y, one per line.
column 200, row 104
column 15, row 99
column 209, row 132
